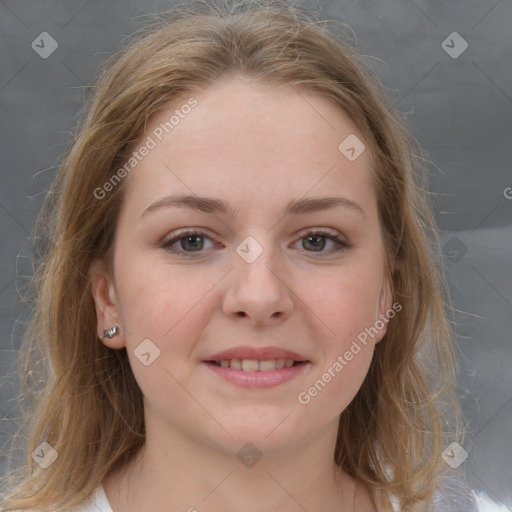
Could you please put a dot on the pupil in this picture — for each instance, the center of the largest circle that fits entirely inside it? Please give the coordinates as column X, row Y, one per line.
column 187, row 239
column 310, row 238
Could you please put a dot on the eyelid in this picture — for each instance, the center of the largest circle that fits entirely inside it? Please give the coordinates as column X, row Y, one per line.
column 176, row 236
column 325, row 231
column 339, row 239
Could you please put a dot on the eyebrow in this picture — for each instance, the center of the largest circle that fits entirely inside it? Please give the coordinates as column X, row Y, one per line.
column 213, row 206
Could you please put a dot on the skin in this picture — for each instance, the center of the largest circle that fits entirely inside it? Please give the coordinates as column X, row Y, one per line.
column 257, row 147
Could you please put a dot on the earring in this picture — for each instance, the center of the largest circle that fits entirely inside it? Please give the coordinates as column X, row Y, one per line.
column 110, row 333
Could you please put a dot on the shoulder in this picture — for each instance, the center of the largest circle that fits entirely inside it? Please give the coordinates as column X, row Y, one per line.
column 97, row 502
column 486, row 504
column 457, row 496
column 461, row 498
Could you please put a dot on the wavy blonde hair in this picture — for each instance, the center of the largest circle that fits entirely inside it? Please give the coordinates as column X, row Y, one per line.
column 82, row 398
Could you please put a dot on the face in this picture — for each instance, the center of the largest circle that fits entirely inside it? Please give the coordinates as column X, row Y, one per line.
column 263, row 272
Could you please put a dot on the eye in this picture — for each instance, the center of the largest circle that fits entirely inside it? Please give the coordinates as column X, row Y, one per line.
column 189, row 242
column 316, row 239
column 192, row 241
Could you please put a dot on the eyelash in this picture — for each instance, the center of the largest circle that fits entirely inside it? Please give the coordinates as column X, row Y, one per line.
column 341, row 244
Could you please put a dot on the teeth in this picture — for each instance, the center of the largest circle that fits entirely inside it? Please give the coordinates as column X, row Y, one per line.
column 253, row 365
column 236, row 364
column 250, row 365
column 267, row 365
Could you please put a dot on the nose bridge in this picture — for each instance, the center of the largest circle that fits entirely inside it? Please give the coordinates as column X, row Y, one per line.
column 257, row 258
column 257, row 288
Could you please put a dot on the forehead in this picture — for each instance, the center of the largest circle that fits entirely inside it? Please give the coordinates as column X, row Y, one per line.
column 258, row 142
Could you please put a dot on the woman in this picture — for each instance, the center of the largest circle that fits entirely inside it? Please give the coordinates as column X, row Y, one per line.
column 241, row 305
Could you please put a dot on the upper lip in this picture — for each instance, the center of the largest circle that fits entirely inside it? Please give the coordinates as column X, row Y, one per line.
column 258, row 353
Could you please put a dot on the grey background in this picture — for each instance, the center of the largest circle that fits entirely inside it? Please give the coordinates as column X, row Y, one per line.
column 460, row 109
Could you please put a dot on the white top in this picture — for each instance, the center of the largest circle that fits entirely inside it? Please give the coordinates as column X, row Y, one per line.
column 481, row 503
column 99, row 502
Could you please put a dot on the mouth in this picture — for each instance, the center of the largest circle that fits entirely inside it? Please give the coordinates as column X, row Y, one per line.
column 250, row 366
column 255, row 365
column 253, row 368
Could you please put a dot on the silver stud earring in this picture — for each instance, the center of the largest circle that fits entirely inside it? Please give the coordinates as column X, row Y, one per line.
column 110, row 333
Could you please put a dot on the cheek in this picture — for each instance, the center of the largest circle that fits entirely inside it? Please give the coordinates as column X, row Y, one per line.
column 164, row 312
column 170, row 307
column 346, row 305
column 346, row 302
column 332, row 389
column 158, row 297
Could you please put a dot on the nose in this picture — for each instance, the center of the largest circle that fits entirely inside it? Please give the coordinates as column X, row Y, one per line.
column 257, row 290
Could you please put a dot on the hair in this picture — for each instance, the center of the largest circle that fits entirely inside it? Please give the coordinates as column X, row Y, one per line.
column 82, row 398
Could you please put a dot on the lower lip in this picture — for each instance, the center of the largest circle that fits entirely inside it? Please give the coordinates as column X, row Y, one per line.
column 258, row 379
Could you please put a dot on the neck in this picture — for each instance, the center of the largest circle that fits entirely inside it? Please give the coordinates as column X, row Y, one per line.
column 175, row 472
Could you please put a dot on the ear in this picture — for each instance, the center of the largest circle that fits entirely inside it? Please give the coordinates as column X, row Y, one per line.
column 107, row 312
column 384, row 307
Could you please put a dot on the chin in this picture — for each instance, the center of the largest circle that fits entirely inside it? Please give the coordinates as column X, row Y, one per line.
column 268, row 437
